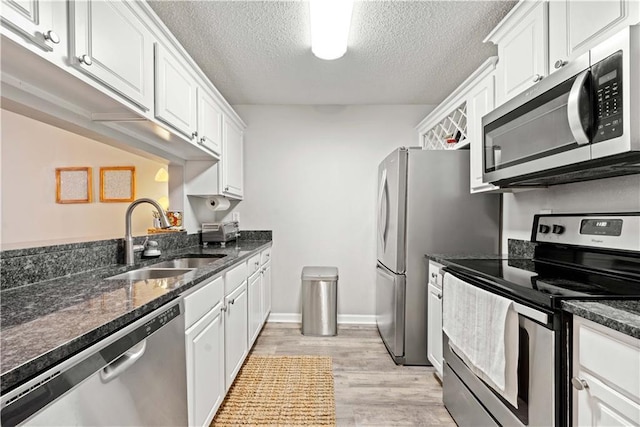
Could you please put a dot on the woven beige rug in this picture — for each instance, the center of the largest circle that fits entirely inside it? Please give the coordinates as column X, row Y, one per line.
column 280, row 390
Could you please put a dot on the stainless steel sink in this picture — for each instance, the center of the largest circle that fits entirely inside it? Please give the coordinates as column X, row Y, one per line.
column 191, row 262
column 151, row 273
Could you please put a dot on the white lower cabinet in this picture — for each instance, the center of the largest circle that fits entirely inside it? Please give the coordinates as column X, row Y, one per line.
column 605, row 377
column 235, row 332
column 205, row 367
column 266, row 290
column 256, row 314
column 204, row 345
column 434, row 314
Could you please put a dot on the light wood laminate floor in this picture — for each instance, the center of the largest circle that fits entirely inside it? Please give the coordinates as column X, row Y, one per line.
column 369, row 388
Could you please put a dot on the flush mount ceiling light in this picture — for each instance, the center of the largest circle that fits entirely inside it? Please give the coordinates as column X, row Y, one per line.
column 330, row 21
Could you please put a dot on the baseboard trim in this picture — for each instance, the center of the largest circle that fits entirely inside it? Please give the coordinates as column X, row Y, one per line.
column 343, row 319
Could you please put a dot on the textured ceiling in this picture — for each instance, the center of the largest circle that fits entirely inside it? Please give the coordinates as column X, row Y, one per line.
column 400, row 52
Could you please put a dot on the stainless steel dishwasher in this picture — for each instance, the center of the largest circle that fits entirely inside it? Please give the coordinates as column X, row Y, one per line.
column 136, row 376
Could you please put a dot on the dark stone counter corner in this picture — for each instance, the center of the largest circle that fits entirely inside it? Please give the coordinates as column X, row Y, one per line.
column 620, row 315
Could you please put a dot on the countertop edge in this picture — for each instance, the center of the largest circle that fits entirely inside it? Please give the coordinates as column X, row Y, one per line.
column 607, row 314
column 35, row 366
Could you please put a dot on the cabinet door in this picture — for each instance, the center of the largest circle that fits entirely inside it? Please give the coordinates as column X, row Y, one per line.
column 232, row 182
column 209, row 123
column 33, row 19
column 255, row 306
column 434, row 332
column 606, row 384
column 205, row 367
column 235, row 332
column 176, row 92
column 570, row 36
column 110, row 43
column 523, row 54
column 266, row 290
column 481, row 101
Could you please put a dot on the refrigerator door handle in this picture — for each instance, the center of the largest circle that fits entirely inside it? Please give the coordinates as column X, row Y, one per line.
column 383, row 210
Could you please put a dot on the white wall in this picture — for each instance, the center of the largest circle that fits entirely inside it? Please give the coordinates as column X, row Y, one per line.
column 31, row 151
column 621, row 194
column 310, row 176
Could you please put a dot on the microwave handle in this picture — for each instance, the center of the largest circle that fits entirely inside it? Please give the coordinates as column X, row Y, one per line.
column 574, row 105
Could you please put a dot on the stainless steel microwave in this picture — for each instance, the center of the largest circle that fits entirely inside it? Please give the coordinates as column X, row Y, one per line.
column 580, row 123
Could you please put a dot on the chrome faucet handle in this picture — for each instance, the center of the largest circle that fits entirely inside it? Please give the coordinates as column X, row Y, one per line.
column 151, row 248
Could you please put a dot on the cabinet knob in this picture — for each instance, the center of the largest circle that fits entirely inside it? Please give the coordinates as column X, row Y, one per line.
column 223, row 308
column 194, row 135
column 52, row 37
column 226, row 188
column 202, row 140
column 560, row 63
column 439, row 296
column 537, row 78
column 579, row 383
column 232, row 301
column 85, row 59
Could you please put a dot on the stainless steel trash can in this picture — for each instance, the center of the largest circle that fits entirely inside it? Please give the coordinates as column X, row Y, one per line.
column 320, row 301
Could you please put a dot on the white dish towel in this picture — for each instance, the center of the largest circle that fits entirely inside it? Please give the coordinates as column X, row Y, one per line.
column 483, row 330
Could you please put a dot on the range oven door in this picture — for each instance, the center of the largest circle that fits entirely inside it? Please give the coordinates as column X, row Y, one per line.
column 470, row 400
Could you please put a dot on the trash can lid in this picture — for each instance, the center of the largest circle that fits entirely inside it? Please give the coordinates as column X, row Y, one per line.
column 320, row 273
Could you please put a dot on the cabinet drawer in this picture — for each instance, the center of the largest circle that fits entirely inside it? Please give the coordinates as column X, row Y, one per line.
column 234, row 277
column 265, row 256
column 435, row 274
column 253, row 264
column 617, row 366
column 201, row 301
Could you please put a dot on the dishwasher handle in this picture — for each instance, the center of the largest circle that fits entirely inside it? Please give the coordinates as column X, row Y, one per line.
column 122, row 363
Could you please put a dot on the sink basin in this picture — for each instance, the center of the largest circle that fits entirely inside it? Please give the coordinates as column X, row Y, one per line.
column 150, row 273
column 191, row 262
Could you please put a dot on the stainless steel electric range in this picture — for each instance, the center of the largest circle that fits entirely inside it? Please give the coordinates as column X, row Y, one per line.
column 577, row 257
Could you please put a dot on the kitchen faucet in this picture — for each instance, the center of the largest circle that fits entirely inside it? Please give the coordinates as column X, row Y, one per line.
column 129, row 248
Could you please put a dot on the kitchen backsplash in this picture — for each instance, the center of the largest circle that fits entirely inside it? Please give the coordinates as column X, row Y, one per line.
column 31, row 265
column 520, row 248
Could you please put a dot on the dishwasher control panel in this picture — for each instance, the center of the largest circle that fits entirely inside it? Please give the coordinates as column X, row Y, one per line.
column 160, row 320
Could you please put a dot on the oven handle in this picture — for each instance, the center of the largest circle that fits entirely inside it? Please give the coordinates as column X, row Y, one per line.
column 522, row 309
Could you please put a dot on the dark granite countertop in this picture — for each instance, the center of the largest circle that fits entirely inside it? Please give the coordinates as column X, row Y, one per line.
column 42, row 324
column 620, row 315
column 447, row 258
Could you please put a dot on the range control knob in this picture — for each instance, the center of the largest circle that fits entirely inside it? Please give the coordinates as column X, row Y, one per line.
column 544, row 229
column 558, row 229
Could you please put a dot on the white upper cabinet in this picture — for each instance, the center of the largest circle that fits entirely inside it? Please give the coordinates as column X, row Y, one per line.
column 232, row 169
column 539, row 37
column 176, row 92
column 111, row 44
column 33, row 20
column 209, row 123
column 522, row 48
column 576, row 26
column 481, row 100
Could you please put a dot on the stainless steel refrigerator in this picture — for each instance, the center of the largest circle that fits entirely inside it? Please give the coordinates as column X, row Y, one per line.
column 424, row 207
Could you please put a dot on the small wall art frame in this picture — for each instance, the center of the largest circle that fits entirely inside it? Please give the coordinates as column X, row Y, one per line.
column 117, row 184
column 73, row 185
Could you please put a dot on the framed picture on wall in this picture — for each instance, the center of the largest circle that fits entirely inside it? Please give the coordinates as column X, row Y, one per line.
column 73, row 185
column 117, row 184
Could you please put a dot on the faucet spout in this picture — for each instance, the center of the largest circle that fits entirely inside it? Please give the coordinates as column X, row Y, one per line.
column 129, row 248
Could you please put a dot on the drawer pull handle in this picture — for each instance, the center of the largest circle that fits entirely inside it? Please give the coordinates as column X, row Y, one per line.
column 579, row 383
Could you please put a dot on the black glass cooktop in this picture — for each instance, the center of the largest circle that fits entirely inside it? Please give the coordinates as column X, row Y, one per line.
column 545, row 284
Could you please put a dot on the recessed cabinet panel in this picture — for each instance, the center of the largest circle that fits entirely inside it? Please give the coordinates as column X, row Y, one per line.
column 235, row 332
column 112, row 45
column 266, row 290
column 481, row 101
column 523, row 54
column 232, row 180
column 209, row 123
column 569, row 36
column 33, row 19
column 176, row 92
column 255, row 306
column 205, row 367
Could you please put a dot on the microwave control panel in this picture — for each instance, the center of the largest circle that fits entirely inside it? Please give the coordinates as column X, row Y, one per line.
column 607, row 84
